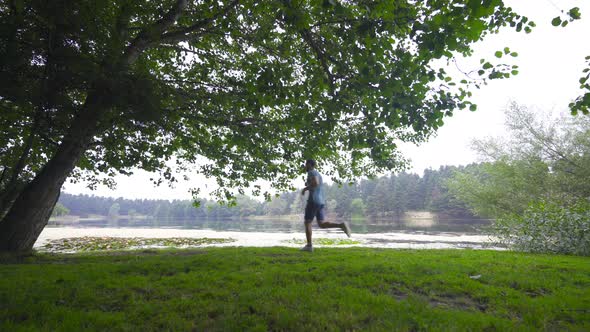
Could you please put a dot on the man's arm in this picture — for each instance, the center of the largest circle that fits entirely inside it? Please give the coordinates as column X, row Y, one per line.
column 311, row 184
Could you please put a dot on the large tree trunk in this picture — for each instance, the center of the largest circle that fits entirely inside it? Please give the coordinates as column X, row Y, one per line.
column 30, row 212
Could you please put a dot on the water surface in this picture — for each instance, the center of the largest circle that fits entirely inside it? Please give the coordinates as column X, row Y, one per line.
column 414, row 233
column 273, row 225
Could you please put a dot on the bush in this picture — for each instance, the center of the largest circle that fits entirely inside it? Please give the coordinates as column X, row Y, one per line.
column 547, row 227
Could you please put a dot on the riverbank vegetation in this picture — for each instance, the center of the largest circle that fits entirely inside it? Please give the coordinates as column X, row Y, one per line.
column 535, row 182
column 285, row 289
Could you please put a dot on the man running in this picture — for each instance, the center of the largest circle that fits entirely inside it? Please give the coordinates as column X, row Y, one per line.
column 315, row 204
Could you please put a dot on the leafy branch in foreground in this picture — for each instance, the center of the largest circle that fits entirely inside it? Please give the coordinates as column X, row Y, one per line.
column 582, row 103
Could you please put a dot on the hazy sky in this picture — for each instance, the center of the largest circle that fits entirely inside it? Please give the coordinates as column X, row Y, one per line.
column 550, row 63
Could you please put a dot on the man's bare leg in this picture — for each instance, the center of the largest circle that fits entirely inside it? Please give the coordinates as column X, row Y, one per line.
column 308, row 233
column 309, row 246
column 341, row 225
column 329, row 224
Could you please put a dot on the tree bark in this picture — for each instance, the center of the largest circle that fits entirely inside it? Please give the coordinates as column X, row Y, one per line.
column 30, row 212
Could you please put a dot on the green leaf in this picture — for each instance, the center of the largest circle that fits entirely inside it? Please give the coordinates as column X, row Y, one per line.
column 556, row 21
column 19, row 6
column 498, row 54
column 574, row 13
column 472, row 107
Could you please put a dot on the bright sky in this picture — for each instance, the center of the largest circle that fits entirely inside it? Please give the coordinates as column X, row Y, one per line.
column 550, row 63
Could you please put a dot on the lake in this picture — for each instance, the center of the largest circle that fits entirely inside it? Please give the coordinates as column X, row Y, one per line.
column 419, row 233
column 273, row 225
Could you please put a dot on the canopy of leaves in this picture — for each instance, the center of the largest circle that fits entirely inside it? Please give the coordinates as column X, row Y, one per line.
column 241, row 90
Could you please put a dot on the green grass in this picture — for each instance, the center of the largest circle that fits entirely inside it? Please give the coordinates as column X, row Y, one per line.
column 325, row 242
column 260, row 289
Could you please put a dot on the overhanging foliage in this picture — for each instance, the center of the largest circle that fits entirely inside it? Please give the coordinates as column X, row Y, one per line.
column 253, row 87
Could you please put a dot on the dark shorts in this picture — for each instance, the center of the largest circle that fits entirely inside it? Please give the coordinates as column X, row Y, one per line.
column 313, row 210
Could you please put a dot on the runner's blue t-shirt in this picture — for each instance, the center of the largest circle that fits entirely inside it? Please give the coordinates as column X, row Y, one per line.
column 316, row 194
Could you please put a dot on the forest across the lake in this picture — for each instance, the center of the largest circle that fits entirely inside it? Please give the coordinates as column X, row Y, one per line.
column 387, row 196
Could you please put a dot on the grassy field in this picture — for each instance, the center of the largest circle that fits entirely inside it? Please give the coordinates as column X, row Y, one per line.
column 235, row 289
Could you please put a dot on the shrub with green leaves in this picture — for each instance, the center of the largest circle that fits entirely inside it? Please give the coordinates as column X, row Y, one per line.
column 547, row 227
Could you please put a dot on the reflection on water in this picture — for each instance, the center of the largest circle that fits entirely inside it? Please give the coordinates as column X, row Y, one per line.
column 358, row 225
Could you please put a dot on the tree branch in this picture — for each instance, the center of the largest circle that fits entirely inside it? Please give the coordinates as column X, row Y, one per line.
column 179, row 48
column 185, row 33
column 28, row 144
column 344, row 20
column 548, row 144
column 48, row 139
column 153, row 32
column 210, row 85
column 320, row 55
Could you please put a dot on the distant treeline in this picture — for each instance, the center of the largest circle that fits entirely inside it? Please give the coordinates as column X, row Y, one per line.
column 84, row 205
column 386, row 196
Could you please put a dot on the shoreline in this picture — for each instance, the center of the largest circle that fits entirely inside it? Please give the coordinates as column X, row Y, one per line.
column 392, row 240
